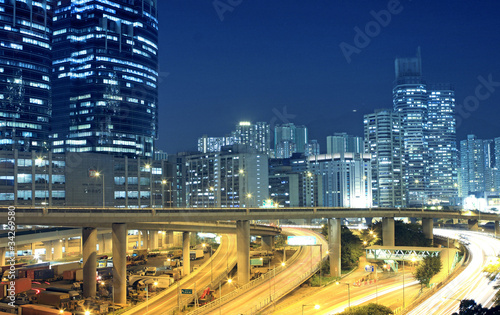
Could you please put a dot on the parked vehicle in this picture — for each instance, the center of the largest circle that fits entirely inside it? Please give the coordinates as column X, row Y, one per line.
column 196, row 254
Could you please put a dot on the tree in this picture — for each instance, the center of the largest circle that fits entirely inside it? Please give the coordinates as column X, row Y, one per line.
column 370, row 309
column 470, row 307
column 430, row 266
column 493, row 271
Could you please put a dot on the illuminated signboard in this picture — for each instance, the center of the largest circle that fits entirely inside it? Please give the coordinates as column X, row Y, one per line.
column 494, row 202
column 301, row 240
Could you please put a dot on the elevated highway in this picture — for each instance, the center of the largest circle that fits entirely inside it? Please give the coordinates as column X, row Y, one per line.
column 80, row 216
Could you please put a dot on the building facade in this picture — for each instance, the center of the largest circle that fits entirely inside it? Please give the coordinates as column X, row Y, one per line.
column 475, row 166
column 346, row 179
column 26, row 70
column 384, row 142
column 410, row 101
column 105, row 62
column 341, row 142
column 235, row 177
column 81, row 179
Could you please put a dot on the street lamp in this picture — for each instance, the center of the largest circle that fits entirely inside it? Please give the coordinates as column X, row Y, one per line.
column 98, row 174
column 348, row 292
column 316, row 307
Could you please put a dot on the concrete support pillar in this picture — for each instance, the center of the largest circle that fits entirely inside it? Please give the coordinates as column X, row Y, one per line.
column 154, row 239
column 66, row 245
column 108, row 243
column 164, row 239
column 139, row 239
column 473, row 225
column 119, row 239
column 58, row 245
column 48, row 250
column 144, row 240
column 170, row 238
column 497, row 228
column 100, row 244
column 2, row 256
column 388, row 231
column 177, row 239
column 334, row 232
column 427, row 226
column 89, row 238
column 267, row 242
column 185, row 254
column 150, row 240
column 243, row 251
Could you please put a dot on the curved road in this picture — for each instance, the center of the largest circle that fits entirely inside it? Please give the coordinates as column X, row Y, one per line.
column 226, row 256
column 471, row 283
column 308, row 257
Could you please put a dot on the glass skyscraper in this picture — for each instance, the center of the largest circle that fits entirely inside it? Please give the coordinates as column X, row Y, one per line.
column 25, row 71
column 105, row 63
column 410, row 102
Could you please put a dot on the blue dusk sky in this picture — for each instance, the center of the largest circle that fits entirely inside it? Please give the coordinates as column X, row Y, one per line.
column 319, row 63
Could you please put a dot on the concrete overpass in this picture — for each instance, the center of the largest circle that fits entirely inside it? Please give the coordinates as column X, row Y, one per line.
column 120, row 219
column 79, row 216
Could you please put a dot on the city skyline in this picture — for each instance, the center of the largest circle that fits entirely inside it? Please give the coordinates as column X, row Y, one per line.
column 215, row 73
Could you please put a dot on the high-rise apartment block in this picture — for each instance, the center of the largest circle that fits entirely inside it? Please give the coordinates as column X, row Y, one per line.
column 256, row 136
column 346, row 179
column 289, row 139
column 26, row 72
column 341, row 142
column 384, row 142
column 476, row 167
column 235, row 177
column 105, row 69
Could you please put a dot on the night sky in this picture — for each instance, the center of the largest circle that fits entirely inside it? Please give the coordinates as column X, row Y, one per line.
column 281, row 61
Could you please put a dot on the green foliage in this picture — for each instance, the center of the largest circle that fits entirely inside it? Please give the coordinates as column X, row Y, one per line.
column 280, row 241
column 470, row 307
column 408, row 234
column 493, row 271
column 370, row 309
column 427, row 269
column 351, row 247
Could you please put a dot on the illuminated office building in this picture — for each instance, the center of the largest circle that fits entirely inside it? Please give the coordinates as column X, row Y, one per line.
column 25, row 71
column 410, row 100
column 105, row 61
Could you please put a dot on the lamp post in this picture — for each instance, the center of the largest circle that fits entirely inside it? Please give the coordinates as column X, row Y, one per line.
column 99, row 174
column 403, row 284
column 316, row 307
column 149, row 169
column 348, row 292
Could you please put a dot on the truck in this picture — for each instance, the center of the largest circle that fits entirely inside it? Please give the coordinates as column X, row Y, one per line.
column 59, row 269
column 57, row 299
column 20, row 285
column 139, row 256
column 196, row 254
column 73, row 295
column 175, row 253
column 150, row 271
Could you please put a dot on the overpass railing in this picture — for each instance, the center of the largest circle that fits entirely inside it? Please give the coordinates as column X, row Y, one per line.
column 245, row 288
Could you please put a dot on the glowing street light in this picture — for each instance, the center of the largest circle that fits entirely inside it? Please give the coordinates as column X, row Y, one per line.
column 348, row 292
column 316, row 307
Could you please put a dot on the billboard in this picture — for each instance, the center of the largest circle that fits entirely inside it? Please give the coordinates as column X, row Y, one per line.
column 301, row 240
